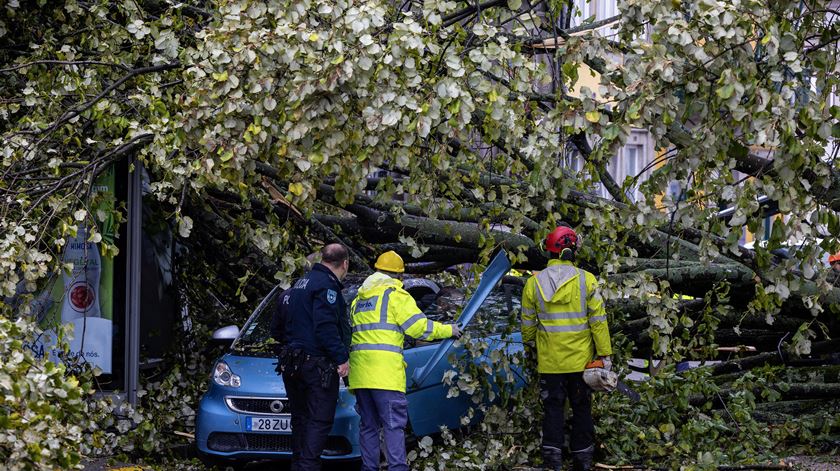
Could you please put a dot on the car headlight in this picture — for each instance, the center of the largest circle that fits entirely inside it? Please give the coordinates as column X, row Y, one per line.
column 224, row 376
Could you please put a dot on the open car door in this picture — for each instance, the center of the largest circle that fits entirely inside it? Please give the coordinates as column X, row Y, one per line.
column 428, row 406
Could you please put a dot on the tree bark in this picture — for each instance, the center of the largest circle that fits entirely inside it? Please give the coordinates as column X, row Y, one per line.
column 771, row 358
column 787, row 392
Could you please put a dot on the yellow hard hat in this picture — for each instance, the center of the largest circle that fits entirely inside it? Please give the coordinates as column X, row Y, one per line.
column 390, row 261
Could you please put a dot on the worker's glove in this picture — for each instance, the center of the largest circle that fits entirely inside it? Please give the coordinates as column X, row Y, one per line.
column 456, row 331
column 607, row 362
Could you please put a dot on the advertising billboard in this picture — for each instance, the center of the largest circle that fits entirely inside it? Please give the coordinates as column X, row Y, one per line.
column 83, row 294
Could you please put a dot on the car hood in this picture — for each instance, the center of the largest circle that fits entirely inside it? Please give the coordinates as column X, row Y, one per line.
column 258, row 374
column 494, row 272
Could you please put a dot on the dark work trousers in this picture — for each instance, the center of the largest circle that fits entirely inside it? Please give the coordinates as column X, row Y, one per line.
column 312, row 405
column 386, row 411
column 554, row 390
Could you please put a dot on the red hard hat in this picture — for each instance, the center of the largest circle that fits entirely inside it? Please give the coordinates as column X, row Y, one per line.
column 834, row 258
column 561, row 238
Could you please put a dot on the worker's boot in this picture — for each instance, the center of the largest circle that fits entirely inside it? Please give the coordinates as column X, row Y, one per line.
column 582, row 459
column 552, row 458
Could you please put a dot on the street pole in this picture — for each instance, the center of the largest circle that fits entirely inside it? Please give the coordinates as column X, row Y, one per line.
column 132, row 289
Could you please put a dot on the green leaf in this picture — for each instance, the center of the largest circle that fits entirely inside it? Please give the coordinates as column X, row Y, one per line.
column 570, row 70
column 296, row 188
column 316, row 158
column 725, row 91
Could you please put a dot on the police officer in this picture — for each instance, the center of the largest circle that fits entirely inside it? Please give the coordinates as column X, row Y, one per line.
column 318, row 339
column 277, row 327
column 381, row 315
column 563, row 313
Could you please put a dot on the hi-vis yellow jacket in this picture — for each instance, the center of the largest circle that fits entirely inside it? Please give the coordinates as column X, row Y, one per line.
column 380, row 316
column 562, row 311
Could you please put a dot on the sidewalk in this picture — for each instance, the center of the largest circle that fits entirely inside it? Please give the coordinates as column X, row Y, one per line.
column 101, row 464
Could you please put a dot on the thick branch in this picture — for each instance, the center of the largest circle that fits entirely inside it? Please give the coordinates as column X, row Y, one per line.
column 64, row 63
column 459, row 15
column 70, row 114
column 435, row 253
column 771, row 358
column 788, row 391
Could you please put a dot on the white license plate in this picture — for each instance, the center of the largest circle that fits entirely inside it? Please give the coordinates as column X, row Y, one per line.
column 268, row 424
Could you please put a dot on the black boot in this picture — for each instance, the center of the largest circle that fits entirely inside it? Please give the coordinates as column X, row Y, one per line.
column 582, row 459
column 552, row 458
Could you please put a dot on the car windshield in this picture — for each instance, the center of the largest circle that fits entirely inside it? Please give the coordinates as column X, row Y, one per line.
column 255, row 337
column 494, row 316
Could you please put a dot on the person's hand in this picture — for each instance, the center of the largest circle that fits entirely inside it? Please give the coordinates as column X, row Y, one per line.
column 607, row 362
column 344, row 369
column 456, row 331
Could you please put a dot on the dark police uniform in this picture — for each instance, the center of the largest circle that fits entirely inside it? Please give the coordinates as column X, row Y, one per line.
column 317, row 338
column 278, row 321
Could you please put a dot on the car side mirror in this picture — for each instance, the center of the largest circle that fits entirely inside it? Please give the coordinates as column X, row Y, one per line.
column 225, row 335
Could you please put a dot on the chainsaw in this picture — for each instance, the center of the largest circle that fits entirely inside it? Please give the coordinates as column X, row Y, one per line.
column 601, row 379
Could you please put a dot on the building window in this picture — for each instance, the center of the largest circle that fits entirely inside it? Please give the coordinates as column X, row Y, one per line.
column 631, row 161
column 572, row 161
column 597, row 10
column 632, row 154
column 675, row 191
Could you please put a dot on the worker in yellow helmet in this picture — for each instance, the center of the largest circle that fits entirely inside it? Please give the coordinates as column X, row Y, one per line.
column 380, row 316
column 563, row 313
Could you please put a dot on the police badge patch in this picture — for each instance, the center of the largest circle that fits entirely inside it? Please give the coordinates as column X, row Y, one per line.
column 331, row 296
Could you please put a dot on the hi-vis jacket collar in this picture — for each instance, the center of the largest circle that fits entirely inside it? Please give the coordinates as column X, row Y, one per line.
column 558, row 273
column 379, row 279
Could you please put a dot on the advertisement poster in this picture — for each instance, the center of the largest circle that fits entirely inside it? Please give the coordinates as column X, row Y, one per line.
column 83, row 296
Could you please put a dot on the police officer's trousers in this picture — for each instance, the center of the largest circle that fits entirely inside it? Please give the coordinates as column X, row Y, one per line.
column 554, row 390
column 312, row 404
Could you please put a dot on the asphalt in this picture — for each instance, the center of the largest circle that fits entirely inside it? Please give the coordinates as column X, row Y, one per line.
column 284, row 466
column 102, row 464
column 810, row 463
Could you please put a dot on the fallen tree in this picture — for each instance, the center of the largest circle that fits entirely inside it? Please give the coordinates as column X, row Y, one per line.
column 446, row 131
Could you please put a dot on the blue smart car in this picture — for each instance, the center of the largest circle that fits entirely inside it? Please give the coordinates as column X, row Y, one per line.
column 244, row 416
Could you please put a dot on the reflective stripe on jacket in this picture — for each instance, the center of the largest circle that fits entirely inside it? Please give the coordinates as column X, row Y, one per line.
column 380, row 317
column 563, row 312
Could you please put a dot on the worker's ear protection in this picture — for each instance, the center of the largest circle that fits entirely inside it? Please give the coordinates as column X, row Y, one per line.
column 567, row 254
